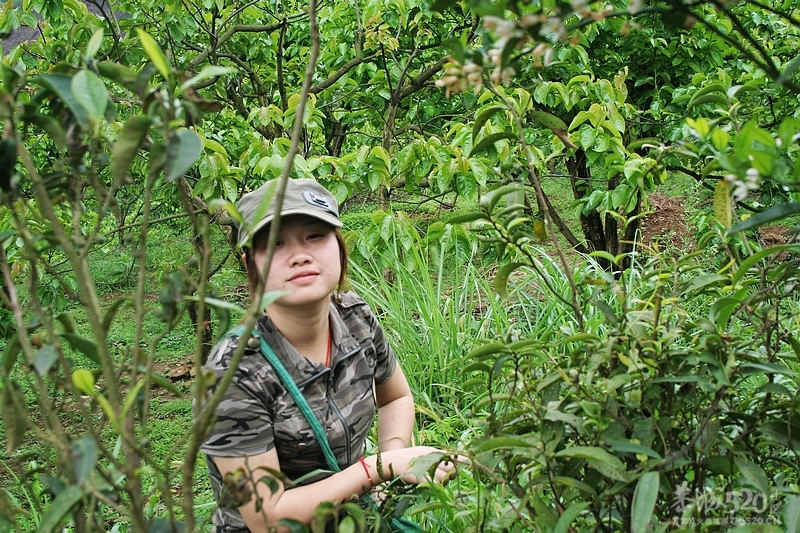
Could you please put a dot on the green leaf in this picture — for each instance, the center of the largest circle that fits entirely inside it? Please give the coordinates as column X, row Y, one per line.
column 709, row 99
column 502, row 443
column 548, row 120
column 108, row 410
column 117, row 73
column 588, row 135
column 44, row 359
column 86, row 346
column 604, row 255
column 269, row 297
column 758, row 256
column 442, row 5
column 488, row 349
column 575, row 484
column 701, row 282
column 154, row 52
column 723, row 203
column 160, row 380
column 130, row 399
column 67, row 322
column 782, row 433
column 59, row 509
column 765, row 217
column 722, row 310
column 222, row 308
column 775, row 388
column 626, row 446
column 483, row 118
column 127, row 145
column 61, row 85
column 111, row 312
column 570, row 514
column 94, row 43
column 84, row 381
column 720, row 138
column 711, row 88
column 644, row 502
column 788, row 71
column 500, row 282
column 347, row 525
column 568, row 418
column 791, row 514
column 209, row 71
column 91, row 93
column 83, row 453
column 599, row 459
column 749, row 369
column 466, row 217
column 490, row 140
column 753, row 474
column 184, row 147
column 12, row 352
column 490, row 199
column 645, row 142
column 544, row 511
column 380, row 159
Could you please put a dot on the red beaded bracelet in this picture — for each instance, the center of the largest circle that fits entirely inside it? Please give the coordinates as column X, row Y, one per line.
column 366, row 469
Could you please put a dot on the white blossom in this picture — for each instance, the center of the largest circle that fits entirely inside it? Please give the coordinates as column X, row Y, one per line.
column 502, row 28
column 742, row 187
column 580, row 7
column 554, row 30
column 635, row 6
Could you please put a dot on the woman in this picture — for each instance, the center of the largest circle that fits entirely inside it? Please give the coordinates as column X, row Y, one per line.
column 337, row 354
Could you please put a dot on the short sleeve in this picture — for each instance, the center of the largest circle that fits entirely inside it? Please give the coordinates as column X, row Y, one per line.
column 385, row 356
column 363, row 325
column 243, row 422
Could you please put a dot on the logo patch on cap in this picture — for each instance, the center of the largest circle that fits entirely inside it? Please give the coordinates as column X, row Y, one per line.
column 318, row 201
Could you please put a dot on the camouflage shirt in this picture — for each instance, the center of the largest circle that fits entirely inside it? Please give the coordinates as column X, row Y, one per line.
column 258, row 414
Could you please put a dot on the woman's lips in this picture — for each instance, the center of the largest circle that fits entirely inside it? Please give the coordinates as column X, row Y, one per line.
column 303, row 277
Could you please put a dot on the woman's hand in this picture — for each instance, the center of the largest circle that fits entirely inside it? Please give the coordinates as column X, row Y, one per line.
column 399, row 464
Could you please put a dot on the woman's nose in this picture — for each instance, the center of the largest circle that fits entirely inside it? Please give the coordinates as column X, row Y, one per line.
column 299, row 255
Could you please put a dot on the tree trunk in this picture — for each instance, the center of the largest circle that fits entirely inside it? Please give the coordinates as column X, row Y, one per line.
column 612, row 224
column 631, row 232
column 591, row 224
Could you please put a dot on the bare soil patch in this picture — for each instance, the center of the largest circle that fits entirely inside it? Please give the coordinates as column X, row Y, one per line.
column 666, row 225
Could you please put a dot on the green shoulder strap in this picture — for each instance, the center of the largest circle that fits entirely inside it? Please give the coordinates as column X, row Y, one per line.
column 276, row 364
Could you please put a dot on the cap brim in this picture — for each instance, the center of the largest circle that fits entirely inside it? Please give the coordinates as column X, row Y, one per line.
column 328, row 219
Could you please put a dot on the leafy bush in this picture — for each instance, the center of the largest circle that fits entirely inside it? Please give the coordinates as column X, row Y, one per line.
column 677, row 409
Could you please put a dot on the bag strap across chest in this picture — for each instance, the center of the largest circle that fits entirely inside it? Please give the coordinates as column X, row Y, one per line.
column 274, row 361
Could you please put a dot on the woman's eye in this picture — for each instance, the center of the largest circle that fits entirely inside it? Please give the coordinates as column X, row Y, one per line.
column 279, row 243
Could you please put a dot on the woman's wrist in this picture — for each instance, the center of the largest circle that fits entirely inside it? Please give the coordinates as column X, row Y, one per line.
column 367, row 471
column 372, row 465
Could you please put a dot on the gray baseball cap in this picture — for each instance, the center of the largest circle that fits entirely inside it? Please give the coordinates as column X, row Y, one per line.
column 303, row 197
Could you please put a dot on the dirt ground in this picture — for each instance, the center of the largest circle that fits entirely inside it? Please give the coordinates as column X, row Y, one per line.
column 666, row 226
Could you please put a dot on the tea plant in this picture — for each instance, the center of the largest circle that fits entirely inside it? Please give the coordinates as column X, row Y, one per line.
column 676, row 410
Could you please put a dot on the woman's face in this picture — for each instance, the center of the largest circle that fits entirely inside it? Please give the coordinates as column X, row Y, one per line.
column 306, row 264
